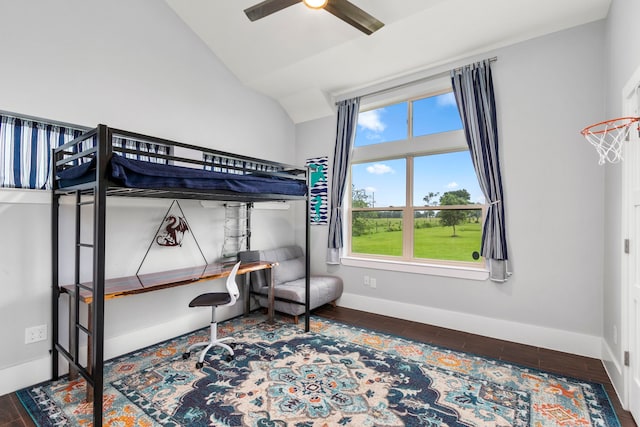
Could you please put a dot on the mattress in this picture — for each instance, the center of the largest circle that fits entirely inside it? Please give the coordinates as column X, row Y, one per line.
column 142, row 174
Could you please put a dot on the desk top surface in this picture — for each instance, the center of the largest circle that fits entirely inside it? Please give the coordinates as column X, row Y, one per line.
column 130, row 285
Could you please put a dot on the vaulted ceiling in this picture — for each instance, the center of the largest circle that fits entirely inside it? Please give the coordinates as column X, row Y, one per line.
column 304, row 58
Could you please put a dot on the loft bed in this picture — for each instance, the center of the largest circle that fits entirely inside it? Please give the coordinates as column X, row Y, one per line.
column 105, row 162
column 140, row 171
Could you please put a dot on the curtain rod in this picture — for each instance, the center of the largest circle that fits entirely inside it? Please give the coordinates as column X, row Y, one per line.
column 420, row 80
column 42, row 120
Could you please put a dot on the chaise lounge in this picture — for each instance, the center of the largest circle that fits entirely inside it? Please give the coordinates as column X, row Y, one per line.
column 289, row 281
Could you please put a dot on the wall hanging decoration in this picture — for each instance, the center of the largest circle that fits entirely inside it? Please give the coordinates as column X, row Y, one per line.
column 171, row 233
column 318, row 190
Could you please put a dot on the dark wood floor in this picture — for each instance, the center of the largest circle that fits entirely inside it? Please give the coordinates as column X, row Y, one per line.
column 12, row 414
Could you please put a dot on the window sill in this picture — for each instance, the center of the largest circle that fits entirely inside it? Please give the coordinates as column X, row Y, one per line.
column 469, row 273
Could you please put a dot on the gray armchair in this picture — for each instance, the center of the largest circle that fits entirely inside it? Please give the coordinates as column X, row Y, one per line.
column 289, row 281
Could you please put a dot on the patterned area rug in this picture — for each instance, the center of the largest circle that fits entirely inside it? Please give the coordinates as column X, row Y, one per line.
column 336, row 375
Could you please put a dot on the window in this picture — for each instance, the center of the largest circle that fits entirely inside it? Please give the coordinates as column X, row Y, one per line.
column 414, row 192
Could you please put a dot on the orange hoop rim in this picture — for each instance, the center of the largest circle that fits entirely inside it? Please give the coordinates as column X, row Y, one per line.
column 627, row 121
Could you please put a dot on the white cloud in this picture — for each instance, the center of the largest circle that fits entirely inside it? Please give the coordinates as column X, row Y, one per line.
column 379, row 169
column 452, row 185
column 447, row 100
column 370, row 189
column 371, row 120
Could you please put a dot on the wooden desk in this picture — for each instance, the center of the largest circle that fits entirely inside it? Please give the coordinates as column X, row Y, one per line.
column 132, row 285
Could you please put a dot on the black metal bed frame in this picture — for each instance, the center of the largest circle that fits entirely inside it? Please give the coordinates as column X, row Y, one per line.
column 97, row 145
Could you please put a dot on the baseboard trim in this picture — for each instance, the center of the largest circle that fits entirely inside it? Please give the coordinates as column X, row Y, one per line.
column 19, row 376
column 615, row 371
column 538, row 336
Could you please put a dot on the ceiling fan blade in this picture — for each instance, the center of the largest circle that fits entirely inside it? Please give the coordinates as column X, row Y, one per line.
column 353, row 15
column 268, row 7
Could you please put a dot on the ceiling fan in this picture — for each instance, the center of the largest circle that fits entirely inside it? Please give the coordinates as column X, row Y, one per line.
column 343, row 9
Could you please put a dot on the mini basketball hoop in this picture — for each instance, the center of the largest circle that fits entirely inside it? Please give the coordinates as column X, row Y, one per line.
column 607, row 137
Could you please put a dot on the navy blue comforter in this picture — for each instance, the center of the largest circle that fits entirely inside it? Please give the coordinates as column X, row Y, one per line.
column 141, row 174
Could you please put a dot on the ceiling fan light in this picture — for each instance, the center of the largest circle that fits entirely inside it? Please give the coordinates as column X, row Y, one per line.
column 315, row 4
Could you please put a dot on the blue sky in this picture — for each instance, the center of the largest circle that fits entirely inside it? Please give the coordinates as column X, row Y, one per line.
column 439, row 173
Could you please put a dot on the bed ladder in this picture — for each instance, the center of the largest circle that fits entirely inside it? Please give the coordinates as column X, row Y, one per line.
column 76, row 326
column 94, row 195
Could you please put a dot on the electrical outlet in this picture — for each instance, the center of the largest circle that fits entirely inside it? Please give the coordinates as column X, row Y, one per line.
column 366, row 280
column 372, row 282
column 35, row 334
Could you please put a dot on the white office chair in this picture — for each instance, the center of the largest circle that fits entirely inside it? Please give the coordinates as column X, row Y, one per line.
column 214, row 300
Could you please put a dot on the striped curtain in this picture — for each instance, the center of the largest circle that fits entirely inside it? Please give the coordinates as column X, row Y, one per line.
column 25, row 151
column 473, row 89
column 345, row 133
column 141, row 146
column 239, row 167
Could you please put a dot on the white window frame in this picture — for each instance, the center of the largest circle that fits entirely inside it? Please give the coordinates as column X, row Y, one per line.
column 438, row 143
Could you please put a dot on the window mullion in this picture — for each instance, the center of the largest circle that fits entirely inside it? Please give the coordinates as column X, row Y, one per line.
column 348, row 227
column 407, row 213
column 410, row 120
column 407, row 222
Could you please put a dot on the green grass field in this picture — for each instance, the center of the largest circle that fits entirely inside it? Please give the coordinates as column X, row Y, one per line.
column 435, row 242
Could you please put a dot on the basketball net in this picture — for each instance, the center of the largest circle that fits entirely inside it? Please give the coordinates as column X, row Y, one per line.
column 607, row 137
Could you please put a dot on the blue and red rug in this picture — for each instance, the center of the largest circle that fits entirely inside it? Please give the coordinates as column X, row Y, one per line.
column 336, row 375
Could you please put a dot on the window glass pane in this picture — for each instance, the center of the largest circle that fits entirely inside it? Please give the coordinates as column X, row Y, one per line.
column 377, row 233
column 439, row 174
column 382, row 125
column 379, row 184
column 451, row 234
column 435, row 114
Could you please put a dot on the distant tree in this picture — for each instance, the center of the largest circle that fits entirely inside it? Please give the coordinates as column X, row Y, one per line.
column 429, row 197
column 359, row 198
column 429, row 200
column 452, row 217
column 474, row 215
column 360, row 222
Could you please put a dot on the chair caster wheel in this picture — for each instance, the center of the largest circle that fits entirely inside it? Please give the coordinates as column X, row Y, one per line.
column 199, row 365
column 229, row 358
column 186, row 355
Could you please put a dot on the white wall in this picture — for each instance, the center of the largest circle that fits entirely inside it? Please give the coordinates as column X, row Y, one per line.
column 622, row 58
column 132, row 65
column 547, row 90
column 149, row 72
